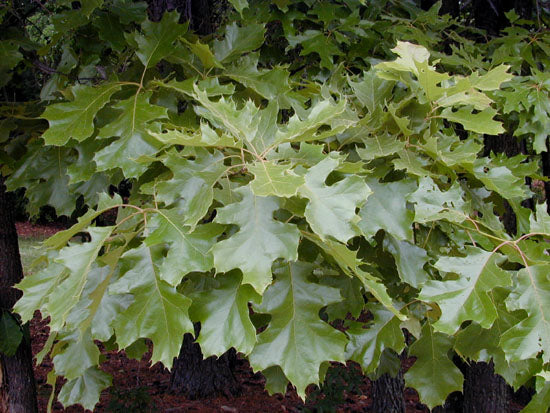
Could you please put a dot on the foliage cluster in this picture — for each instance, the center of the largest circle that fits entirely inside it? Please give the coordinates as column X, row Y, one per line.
column 315, row 160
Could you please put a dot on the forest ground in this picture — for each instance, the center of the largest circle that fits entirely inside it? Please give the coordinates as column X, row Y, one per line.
column 139, row 388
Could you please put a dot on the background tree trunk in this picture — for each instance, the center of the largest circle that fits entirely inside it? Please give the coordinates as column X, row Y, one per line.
column 17, row 386
column 388, row 394
column 484, row 391
column 191, row 375
column 451, row 7
column 199, row 378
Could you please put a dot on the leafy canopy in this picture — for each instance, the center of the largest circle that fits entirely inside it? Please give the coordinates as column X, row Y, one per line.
column 310, row 162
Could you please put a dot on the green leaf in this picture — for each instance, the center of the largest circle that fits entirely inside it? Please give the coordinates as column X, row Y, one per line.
column 480, row 122
column 386, row 209
column 372, row 91
column 532, row 335
column 499, row 179
column 415, row 59
column 110, row 30
column 432, row 204
column 100, row 309
column 238, row 40
column 541, row 223
column 425, row 376
column 158, row 38
column 37, row 289
column 129, row 11
column 274, row 179
column 367, row 344
column 78, row 259
column 479, row 344
column 348, row 262
column 409, row 259
column 259, row 241
column 331, row 209
column 275, row 380
column 305, row 128
column 239, row 5
column 224, row 316
column 79, row 354
column 537, row 121
column 189, row 250
column 242, row 123
column 75, row 119
column 132, row 128
column 203, row 52
column 9, row 58
column 296, row 338
column 493, row 79
column 308, row 154
column 315, row 41
column 191, row 186
column 61, row 238
column 379, row 146
column 541, row 400
column 86, row 389
column 10, row 334
column 451, row 151
column 273, row 84
column 205, row 137
column 211, row 86
column 468, row 297
column 159, row 311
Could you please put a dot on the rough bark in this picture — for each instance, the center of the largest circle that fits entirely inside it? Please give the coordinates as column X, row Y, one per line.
column 388, row 394
column 157, row 8
column 196, row 12
column 510, row 146
column 546, row 172
column 490, row 14
column 17, row 386
column 451, row 7
column 199, row 378
column 484, row 391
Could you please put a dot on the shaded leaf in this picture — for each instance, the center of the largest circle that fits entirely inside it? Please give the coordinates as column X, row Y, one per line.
column 191, row 186
column 156, row 42
column 224, row 316
column 238, row 40
column 409, row 259
column 425, row 376
column 10, row 334
column 367, row 344
column 331, row 209
column 132, row 128
column 296, row 338
column 532, row 335
column 466, row 298
column 386, row 209
column 78, row 259
column 274, row 179
column 259, row 241
column 159, row 311
column 189, row 250
column 75, row 119
column 86, row 389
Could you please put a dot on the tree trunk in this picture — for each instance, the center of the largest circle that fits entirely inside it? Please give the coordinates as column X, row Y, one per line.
column 490, row 14
column 191, row 375
column 199, row 378
column 451, row 7
column 17, row 387
column 388, row 394
column 484, row 391
column 196, row 12
column 546, row 172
